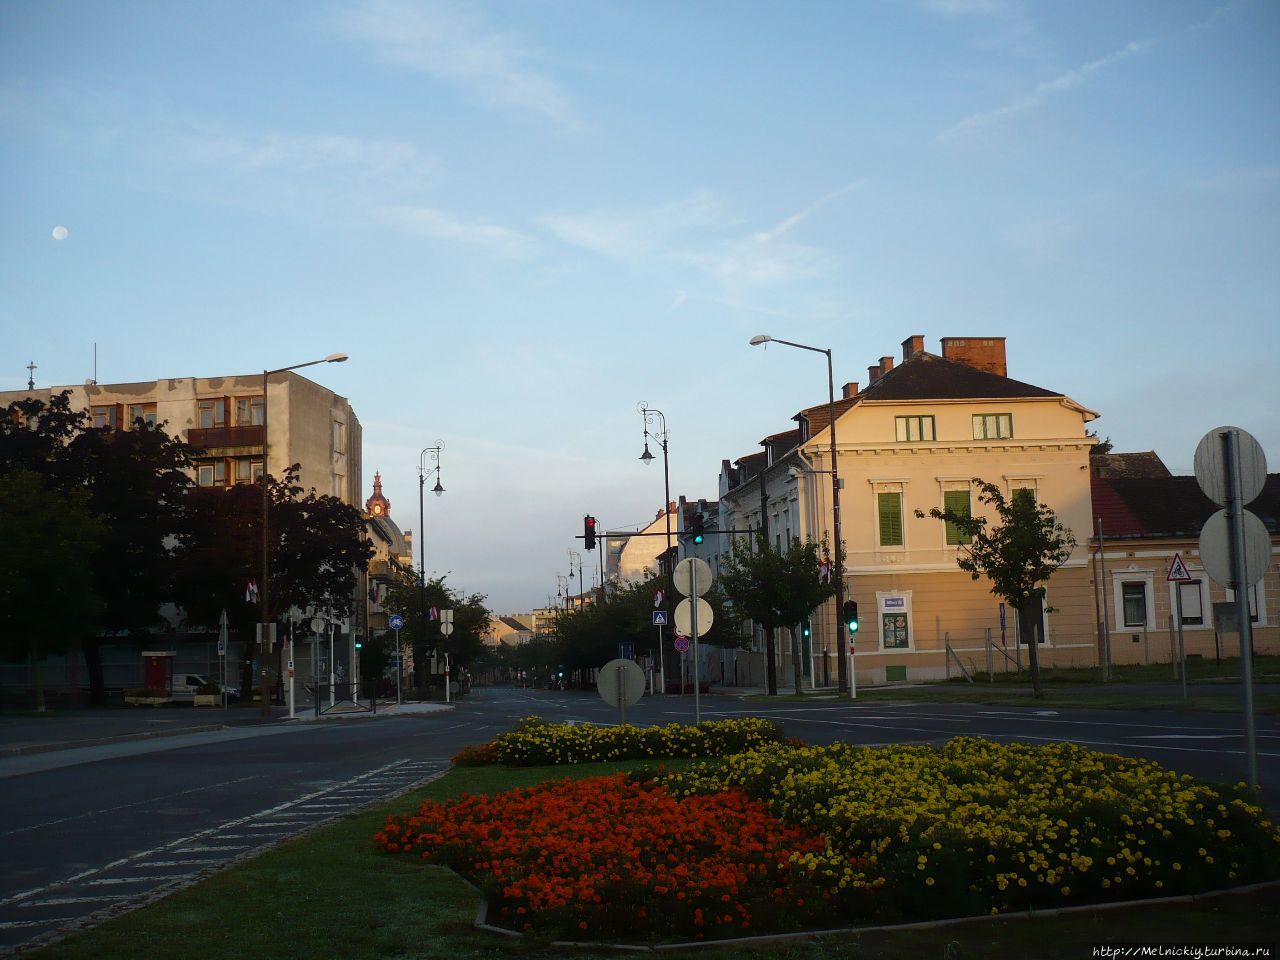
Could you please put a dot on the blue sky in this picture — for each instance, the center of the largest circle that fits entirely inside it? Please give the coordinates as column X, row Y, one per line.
column 520, row 219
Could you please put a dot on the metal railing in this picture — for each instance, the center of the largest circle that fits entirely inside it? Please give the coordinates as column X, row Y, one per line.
column 952, row 655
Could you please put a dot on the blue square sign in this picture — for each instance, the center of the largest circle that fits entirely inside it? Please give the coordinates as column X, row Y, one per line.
column 659, row 618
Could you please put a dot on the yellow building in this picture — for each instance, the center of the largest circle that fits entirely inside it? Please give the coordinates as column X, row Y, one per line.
column 914, row 438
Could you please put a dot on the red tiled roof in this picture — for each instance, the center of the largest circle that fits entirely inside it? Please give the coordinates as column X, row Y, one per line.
column 1167, row 506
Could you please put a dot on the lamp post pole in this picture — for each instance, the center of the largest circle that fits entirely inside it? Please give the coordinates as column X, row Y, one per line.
column 843, row 665
column 264, row 593
column 647, row 413
column 575, row 555
column 423, row 473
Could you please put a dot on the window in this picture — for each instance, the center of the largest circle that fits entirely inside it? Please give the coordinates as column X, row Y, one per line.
column 957, row 501
column 338, row 484
column 1253, row 601
column 249, row 411
column 890, row 511
column 339, row 437
column 1134, row 599
column 212, row 474
column 146, row 412
column 1017, row 490
column 213, row 413
column 992, row 426
column 1192, row 603
column 914, row 429
column 105, row 416
column 248, row 471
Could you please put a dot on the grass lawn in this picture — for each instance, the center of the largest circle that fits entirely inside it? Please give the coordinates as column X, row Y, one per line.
column 332, row 894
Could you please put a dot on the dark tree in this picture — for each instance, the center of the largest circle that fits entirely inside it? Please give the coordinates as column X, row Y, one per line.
column 776, row 590
column 1018, row 556
column 48, row 540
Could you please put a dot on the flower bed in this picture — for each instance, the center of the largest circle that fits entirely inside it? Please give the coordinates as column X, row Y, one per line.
column 619, row 855
column 536, row 742
column 977, row 826
column 782, row 838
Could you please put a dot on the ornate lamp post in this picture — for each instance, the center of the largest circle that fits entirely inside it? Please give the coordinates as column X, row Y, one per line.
column 843, row 671
column 582, row 583
column 433, row 454
column 265, row 592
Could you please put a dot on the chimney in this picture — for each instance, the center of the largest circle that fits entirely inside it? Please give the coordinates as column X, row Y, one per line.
column 873, row 373
column 981, row 353
column 849, row 390
column 886, row 364
column 912, row 345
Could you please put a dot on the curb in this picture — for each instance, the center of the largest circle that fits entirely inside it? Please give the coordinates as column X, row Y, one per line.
column 482, row 918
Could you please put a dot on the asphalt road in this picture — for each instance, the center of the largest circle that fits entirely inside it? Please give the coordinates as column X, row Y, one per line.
column 92, row 830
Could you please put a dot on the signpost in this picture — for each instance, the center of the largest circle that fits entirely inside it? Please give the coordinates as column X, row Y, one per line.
column 446, row 628
column 222, row 654
column 692, row 577
column 396, row 623
column 1178, row 575
column 1231, row 470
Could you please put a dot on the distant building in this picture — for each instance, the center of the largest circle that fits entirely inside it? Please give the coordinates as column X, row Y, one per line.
column 392, row 556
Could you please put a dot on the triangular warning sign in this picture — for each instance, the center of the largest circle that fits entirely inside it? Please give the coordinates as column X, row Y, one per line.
column 1178, row 572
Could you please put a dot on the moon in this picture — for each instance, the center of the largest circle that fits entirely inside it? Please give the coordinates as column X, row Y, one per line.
column 60, row 233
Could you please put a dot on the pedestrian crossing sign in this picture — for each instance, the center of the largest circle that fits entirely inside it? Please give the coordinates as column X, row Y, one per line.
column 659, row 618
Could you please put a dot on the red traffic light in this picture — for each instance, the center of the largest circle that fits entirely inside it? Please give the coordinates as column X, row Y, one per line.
column 589, row 532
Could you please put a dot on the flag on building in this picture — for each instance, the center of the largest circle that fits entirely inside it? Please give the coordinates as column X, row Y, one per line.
column 824, row 571
column 251, row 591
column 658, row 598
column 434, row 613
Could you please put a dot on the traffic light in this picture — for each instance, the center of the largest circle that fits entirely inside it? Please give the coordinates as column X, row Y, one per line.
column 806, row 629
column 851, row 615
column 589, row 532
column 697, row 527
column 359, row 644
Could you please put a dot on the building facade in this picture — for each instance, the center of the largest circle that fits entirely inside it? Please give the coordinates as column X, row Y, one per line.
column 916, row 437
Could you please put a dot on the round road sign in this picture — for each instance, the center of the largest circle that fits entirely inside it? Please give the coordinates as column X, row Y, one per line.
column 1211, row 467
column 620, row 680
column 317, row 625
column 692, row 573
column 684, row 617
column 682, row 644
column 396, row 622
column 1215, row 551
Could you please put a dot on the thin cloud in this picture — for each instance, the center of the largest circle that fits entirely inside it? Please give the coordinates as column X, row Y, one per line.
column 455, row 44
column 1044, row 91
column 637, row 235
column 429, row 222
column 789, row 223
column 374, row 159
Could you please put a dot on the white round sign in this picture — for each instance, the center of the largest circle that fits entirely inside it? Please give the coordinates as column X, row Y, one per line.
column 1215, row 550
column 684, row 617
column 619, row 679
column 1211, row 465
column 446, row 627
column 317, row 625
column 692, row 573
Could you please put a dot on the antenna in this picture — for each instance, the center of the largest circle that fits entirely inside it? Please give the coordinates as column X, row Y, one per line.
column 95, row 361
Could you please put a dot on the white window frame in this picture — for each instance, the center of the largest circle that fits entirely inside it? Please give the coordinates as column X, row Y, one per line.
column 1118, row 579
column 998, row 418
column 888, row 486
column 1206, row 604
column 902, row 428
column 1258, row 598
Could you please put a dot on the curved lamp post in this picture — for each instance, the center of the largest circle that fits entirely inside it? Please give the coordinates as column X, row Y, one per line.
column 648, row 413
column 433, row 454
column 574, row 555
column 843, row 671
column 266, row 499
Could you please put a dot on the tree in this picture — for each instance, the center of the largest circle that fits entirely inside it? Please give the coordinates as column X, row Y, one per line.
column 48, row 539
column 316, row 547
column 414, row 601
column 1101, row 447
column 776, row 590
column 137, row 482
column 1018, row 556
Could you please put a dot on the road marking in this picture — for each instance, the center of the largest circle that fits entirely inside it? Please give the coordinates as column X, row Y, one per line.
column 153, row 864
column 222, row 849
column 123, row 806
column 1184, row 736
column 111, row 881
column 66, row 901
column 18, row 924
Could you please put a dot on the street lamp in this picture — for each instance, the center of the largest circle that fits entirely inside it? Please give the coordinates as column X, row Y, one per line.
column 647, row 413
column 266, row 499
column 432, row 453
column 582, row 583
column 843, row 668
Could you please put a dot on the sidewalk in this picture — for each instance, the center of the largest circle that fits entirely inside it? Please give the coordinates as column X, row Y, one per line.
column 24, row 734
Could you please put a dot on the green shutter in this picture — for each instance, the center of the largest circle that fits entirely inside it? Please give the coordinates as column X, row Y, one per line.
column 957, row 501
column 890, row 519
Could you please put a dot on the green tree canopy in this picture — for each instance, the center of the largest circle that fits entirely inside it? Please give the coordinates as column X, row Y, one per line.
column 775, row 589
column 1018, row 555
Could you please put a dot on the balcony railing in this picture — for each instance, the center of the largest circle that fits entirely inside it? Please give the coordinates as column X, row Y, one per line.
column 208, row 437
